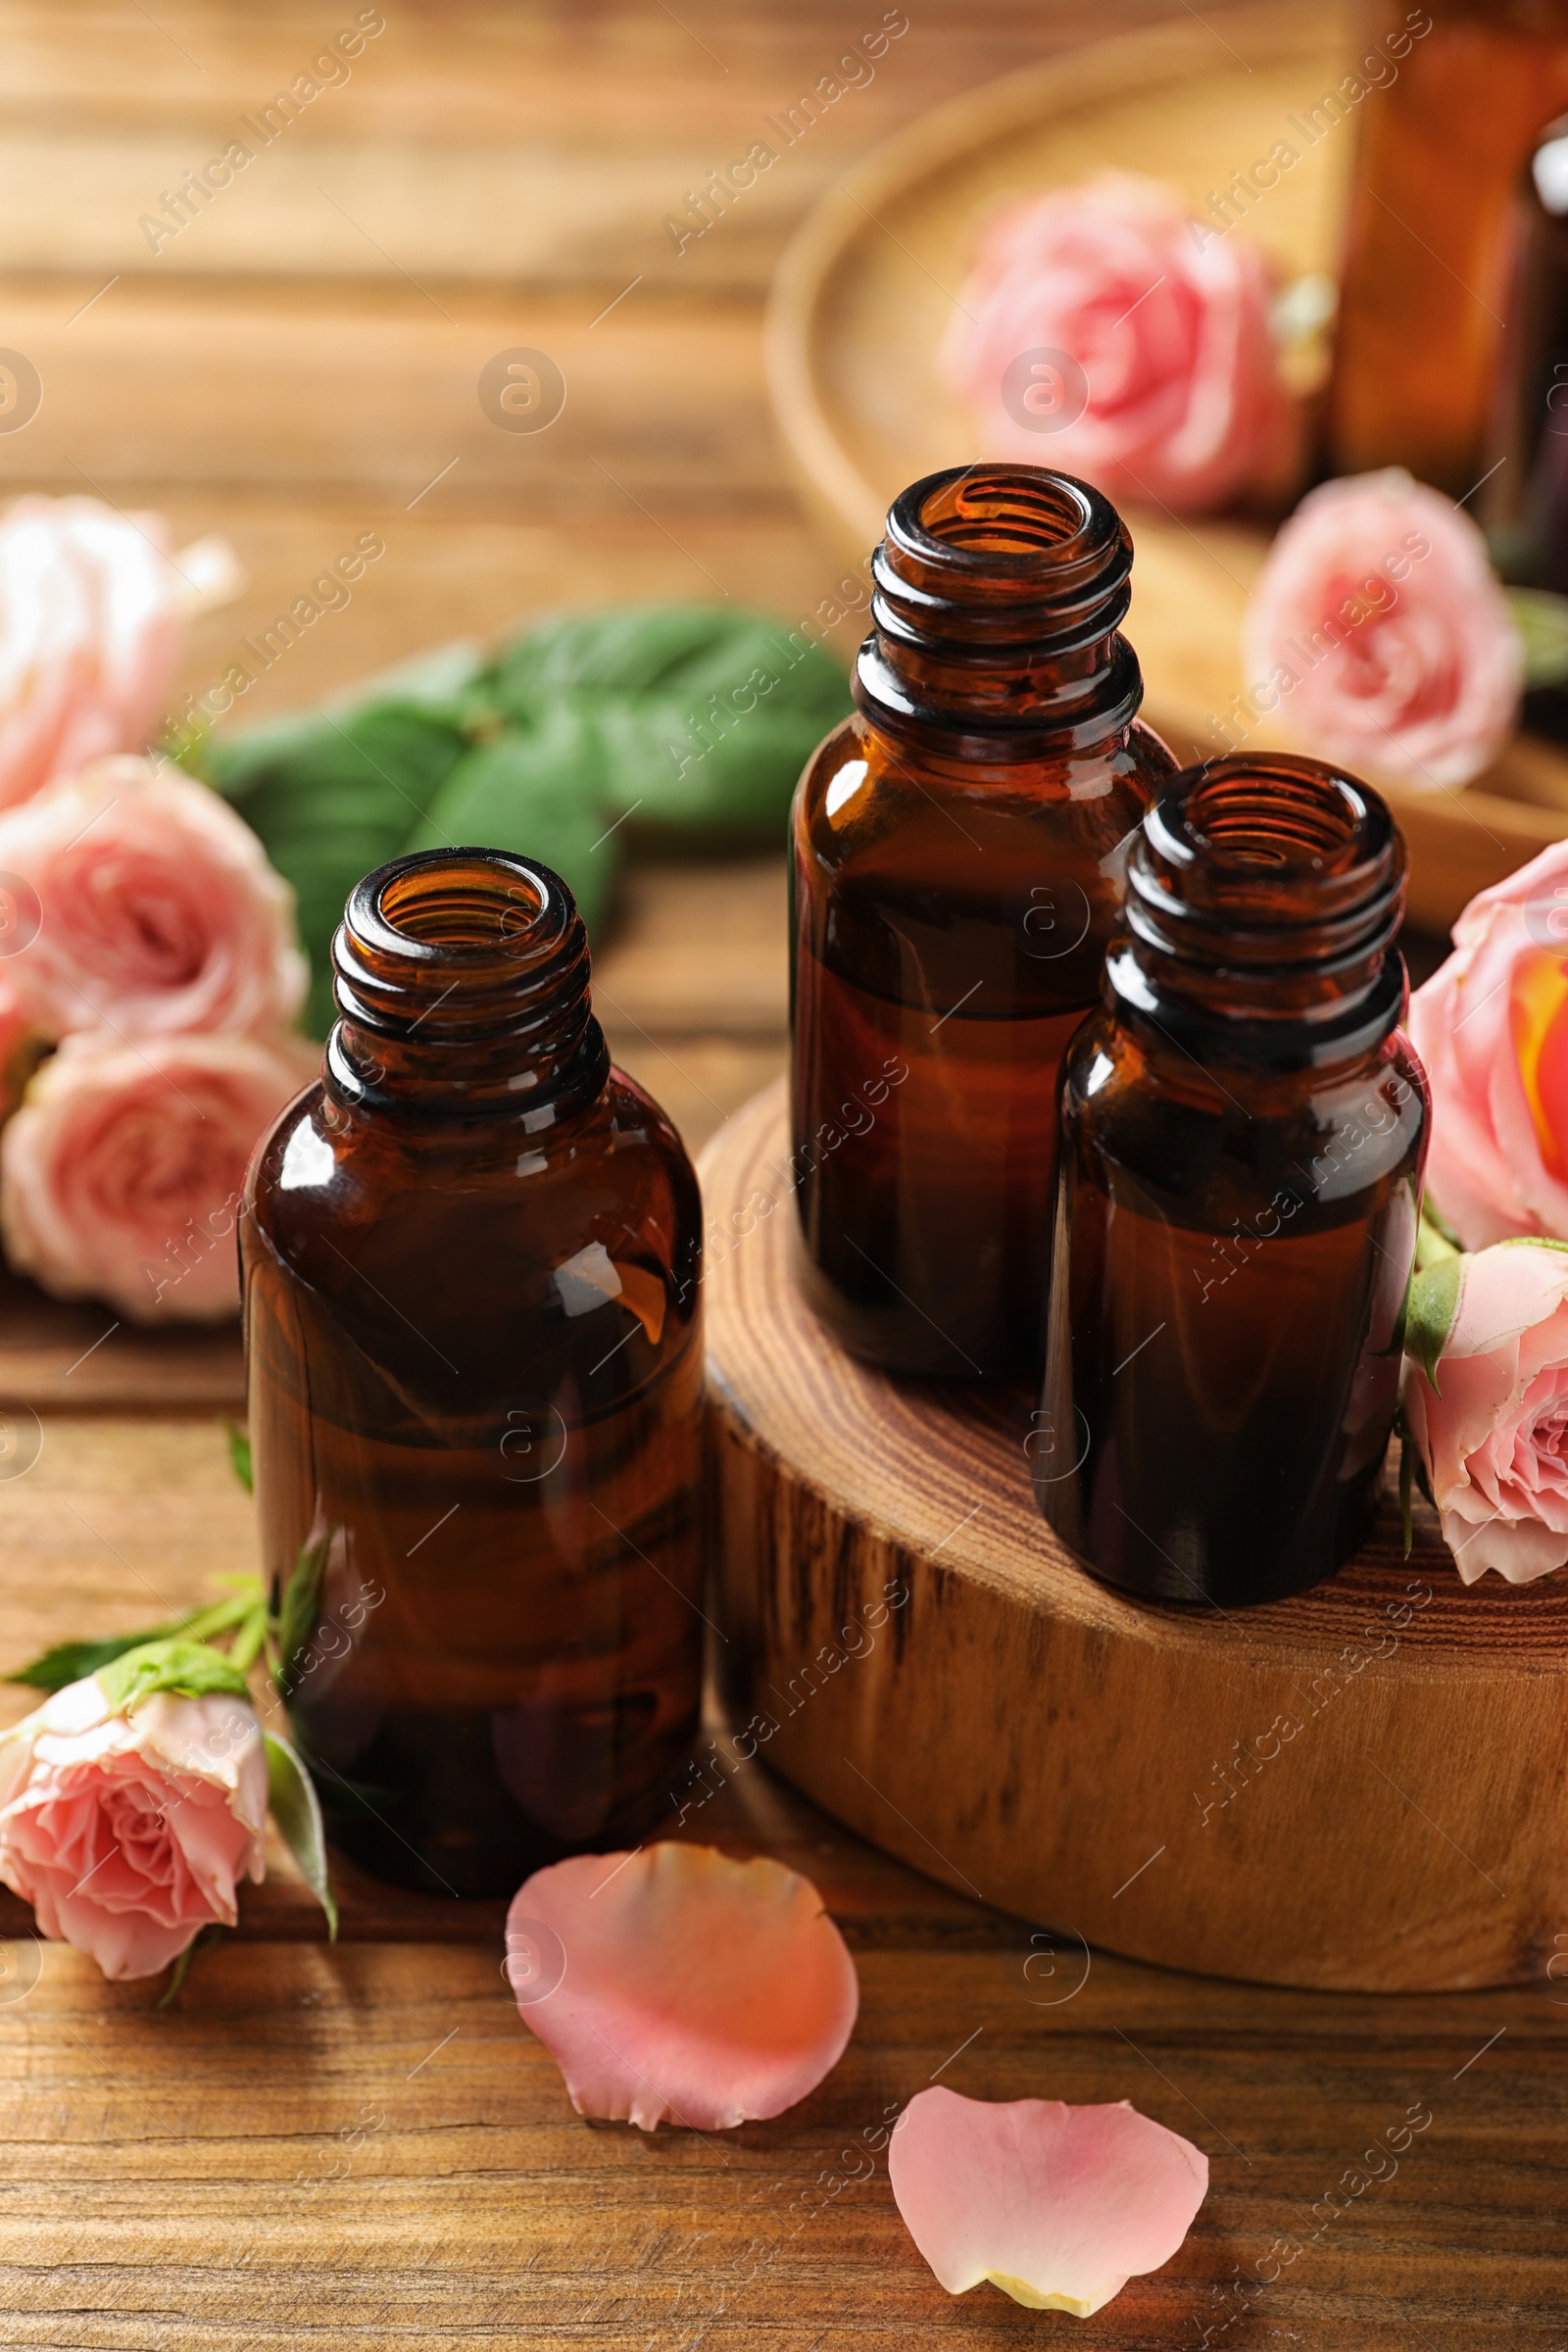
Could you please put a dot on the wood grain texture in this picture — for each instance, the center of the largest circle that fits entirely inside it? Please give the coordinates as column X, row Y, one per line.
column 363, row 2146
column 171, row 2182
column 867, row 291
column 1361, row 1786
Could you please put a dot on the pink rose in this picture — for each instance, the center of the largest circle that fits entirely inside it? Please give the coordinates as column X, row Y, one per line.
column 1098, row 334
column 1379, row 633
column 123, row 1173
column 91, row 631
column 140, row 901
column 1489, row 1419
column 128, row 1834
column 1492, row 1027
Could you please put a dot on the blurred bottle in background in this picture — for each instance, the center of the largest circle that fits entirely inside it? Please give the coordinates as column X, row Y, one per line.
column 1429, row 246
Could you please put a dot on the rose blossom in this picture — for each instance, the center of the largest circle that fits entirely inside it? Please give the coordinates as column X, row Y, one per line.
column 91, row 630
column 1379, row 633
column 1170, row 390
column 127, row 1833
column 1491, row 1428
column 121, row 1173
column 143, row 901
column 1492, row 1027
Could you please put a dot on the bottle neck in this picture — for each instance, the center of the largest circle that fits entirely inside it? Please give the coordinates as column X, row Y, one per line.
column 1263, row 898
column 460, row 978
column 998, row 595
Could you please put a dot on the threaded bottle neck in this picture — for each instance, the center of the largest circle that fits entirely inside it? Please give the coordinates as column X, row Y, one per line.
column 460, row 978
column 998, row 592
column 1263, row 898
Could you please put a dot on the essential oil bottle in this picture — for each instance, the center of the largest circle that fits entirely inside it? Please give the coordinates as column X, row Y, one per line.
column 1243, row 1134
column 959, row 847
column 471, row 1261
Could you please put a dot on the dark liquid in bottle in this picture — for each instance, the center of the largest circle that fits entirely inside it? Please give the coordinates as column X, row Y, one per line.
column 477, row 1391
column 925, row 1213
column 958, row 856
column 1216, row 1429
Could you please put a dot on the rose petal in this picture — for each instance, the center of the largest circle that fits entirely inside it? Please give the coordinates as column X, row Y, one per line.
column 128, row 1834
column 140, row 904
column 690, row 1986
column 1175, row 393
column 1378, row 629
column 1059, row 2206
column 121, row 1176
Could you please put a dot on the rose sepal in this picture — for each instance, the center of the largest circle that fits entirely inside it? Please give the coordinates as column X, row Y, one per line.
column 1433, row 1304
column 297, row 1810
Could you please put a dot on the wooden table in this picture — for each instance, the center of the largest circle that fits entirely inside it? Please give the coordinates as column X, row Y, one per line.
column 363, row 2146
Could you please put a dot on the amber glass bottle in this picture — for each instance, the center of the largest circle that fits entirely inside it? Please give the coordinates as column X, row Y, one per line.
column 958, row 852
column 1243, row 1129
column 1448, row 102
column 471, row 1265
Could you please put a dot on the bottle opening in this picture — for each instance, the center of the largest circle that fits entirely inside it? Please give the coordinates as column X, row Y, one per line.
column 1006, row 511
column 460, row 901
column 1264, row 887
column 1274, row 814
column 462, row 982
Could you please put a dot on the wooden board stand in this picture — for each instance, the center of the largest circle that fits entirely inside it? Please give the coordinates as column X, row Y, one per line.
column 1365, row 1787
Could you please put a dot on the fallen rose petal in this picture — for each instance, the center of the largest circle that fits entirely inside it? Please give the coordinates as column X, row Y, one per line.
column 712, row 1991
column 1059, row 2206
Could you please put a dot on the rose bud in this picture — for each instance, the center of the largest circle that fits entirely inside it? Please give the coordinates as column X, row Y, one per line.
column 93, row 626
column 1486, row 1404
column 123, row 1173
column 1492, row 1027
column 140, row 901
column 1099, row 334
column 1379, row 634
column 128, row 1826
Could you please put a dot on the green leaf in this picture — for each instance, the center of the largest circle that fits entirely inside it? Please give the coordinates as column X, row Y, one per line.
column 295, row 1808
column 183, row 1669
column 299, row 1609
column 72, row 1661
column 1433, row 1304
column 331, row 800
column 203, row 1941
column 1542, row 622
column 239, row 1454
column 534, row 789
column 704, row 716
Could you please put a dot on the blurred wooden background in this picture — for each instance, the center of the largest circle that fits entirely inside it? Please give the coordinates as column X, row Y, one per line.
column 300, row 362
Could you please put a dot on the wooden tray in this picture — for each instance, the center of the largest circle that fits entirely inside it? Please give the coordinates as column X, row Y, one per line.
column 941, row 1677
column 866, row 288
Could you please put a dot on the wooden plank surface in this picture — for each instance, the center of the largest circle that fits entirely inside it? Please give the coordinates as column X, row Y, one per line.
column 195, row 2178
column 363, row 2146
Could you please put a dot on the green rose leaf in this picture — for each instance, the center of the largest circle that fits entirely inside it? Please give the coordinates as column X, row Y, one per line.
column 1433, row 1304
column 183, row 1669
column 533, row 788
column 74, row 1661
column 705, row 716
column 686, row 719
column 296, row 1810
column 1542, row 620
column 332, row 799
